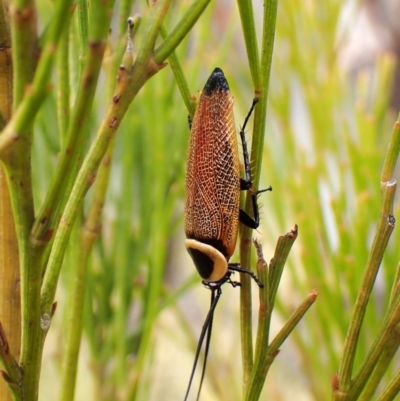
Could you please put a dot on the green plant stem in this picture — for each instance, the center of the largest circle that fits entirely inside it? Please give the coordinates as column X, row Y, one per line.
column 392, row 390
column 88, row 235
column 395, row 287
column 128, row 87
column 70, row 352
column 173, row 39
column 180, row 31
column 181, row 81
column 245, row 299
column 291, row 324
column 384, row 230
column 277, row 263
column 71, row 154
column 392, row 153
column 125, row 9
column 18, row 167
column 24, row 46
column 269, row 22
column 32, row 321
column 63, row 90
column 264, row 316
column 382, row 339
column 263, row 351
column 270, row 9
column 19, row 126
column 250, row 39
column 388, row 353
column 83, row 27
column 157, row 261
column 261, row 371
column 245, row 315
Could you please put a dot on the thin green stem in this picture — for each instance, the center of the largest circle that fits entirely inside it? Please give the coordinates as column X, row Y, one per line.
column 125, row 8
column 270, row 9
column 181, row 80
column 246, row 332
column 34, row 324
column 264, row 314
column 381, row 341
column 260, row 372
column 24, row 46
column 71, row 154
column 388, row 353
column 73, row 332
column 63, row 90
column 269, row 22
column 250, row 39
column 263, row 351
column 18, row 166
column 19, row 126
column 277, row 263
column 83, row 28
column 84, row 243
column 180, row 31
column 392, row 390
column 395, row 287
column 291, row 324
column 128, row 86
column 392, row 153
column 384, row 230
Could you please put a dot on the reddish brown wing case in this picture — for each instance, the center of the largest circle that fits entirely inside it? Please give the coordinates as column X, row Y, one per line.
column 213, row 176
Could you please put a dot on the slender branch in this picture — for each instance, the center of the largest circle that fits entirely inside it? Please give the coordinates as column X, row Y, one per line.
column 129, row 83
column 19, row 126
column 392, row 390
column 180, row 31
column 23, row 20
column 264, row 354
column 250, row 39
column 376, row 351
column 261, row 92
column 392, row 153
column 382, row 235
column 71, row 154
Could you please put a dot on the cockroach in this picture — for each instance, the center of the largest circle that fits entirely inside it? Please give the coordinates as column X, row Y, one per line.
column 213, row 185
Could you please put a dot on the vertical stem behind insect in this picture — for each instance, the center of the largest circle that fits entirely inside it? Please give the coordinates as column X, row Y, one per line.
column 261, row 76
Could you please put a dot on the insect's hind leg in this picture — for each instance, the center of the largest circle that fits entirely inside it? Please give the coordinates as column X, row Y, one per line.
column 245, row 218
column 235, row 267
column 246, row 183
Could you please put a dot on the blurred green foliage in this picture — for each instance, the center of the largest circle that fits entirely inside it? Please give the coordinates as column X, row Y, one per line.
column 324, row 148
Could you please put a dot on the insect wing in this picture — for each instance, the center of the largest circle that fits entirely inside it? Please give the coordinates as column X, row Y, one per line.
column 213, row 180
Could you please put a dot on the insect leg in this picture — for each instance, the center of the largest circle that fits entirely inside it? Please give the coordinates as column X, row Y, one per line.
column 245, row 218
column 235, row 267
column 245, row 184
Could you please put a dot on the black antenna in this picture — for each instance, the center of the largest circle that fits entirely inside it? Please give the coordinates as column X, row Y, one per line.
column 205, row 330
column 208, row 339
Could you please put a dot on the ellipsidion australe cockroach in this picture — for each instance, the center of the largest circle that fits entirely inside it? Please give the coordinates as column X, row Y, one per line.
column 213, row 185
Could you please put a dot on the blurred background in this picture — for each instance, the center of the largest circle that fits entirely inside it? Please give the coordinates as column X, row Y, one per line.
column 333, row 99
